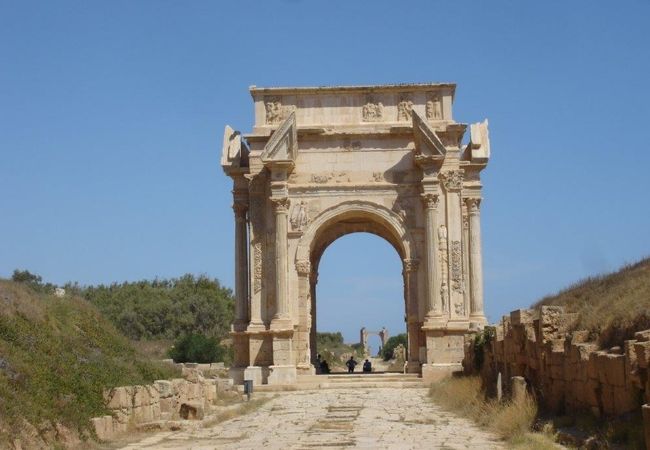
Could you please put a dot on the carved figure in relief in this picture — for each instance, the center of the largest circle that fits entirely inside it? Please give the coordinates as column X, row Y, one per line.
column 274, row 113
column 299, row 217
column 372, row 112
column 404, row 110
column 459, row 307
column 456, row 266
column 377, row 176
column 444, row 264
column 257, row 267
column 434, row 109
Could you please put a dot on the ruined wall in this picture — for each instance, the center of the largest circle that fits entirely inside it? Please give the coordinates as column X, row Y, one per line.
column 163, row 400
column 567, row 372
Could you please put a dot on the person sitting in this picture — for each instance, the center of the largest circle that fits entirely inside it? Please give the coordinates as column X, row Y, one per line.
column 324, row 367
column 351, row 364
column 367, row 366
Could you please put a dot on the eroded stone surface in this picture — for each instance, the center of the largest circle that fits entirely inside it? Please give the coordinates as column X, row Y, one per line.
column 386, row 418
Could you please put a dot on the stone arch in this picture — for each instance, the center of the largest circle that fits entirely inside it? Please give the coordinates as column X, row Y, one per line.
column 349, row 217
column 344, row 218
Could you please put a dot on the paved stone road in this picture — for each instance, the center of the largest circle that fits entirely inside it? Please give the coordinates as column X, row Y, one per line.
column 384, row 418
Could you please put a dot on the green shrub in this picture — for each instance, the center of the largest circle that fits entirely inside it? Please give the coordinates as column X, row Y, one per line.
column 164, row 309
column 394, row 341
column 197, row 348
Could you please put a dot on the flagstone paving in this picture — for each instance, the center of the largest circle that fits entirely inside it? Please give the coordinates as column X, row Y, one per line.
column 380, row 418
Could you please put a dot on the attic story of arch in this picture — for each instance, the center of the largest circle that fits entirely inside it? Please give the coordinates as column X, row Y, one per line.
column 324, row 162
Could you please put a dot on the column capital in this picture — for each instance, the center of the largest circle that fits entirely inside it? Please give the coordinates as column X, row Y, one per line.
column 303, row 267
column 430, row 200
column 280, row 205
column 240, row 209
column 473, row 205
column 411, row 265
column 453, row 179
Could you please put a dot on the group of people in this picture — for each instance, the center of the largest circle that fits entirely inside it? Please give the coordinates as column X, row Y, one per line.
column 323, row 367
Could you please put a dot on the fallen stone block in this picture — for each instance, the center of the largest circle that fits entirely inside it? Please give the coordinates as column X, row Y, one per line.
column 192, row 411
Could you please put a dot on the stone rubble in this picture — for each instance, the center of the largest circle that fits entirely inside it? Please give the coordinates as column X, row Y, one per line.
column 138, row 407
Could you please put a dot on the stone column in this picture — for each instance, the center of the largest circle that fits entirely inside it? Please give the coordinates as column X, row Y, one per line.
column 433, row 306
column 453, row 183
column 241, row 266
column 412, row 318
column 281, row 318
column 477, row 315
column 313, row 280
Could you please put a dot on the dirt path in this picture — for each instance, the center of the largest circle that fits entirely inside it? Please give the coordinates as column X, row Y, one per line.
column 384, row 418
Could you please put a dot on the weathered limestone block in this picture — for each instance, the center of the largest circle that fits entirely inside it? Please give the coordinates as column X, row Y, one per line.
column 591, row 391
column 607, row 399
column 642, row 336
column 642, row 351
column 103, row 427
column 119, row 397
column 625, row 400
column 165, row 388
column 614, row 369
column 646, row 424
column 522, row 316
column 518, row 386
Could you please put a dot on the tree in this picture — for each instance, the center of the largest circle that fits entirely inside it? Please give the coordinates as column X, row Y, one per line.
column 391, row 343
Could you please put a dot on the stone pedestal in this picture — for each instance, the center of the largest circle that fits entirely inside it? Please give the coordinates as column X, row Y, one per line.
column 237, row 374
column 282, row 375
column 432, row 373
column 254, row 373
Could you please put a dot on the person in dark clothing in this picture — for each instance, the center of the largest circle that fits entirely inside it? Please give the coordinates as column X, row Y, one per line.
column 367, row 366
column 351, row 364
column 324, row 367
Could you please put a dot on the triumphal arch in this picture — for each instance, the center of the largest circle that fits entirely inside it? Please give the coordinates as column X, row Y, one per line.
column 324, row 162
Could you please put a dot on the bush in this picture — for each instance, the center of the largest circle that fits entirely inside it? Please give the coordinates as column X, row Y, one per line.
column 197, row 348
column 387, row 350
column 164, row 309
column 329, row 340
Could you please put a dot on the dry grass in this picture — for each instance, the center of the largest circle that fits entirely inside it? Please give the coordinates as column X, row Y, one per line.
column 612, row 306
column 512, row 421
column 241, row 409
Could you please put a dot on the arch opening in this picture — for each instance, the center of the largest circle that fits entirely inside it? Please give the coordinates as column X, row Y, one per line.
column 358, row 283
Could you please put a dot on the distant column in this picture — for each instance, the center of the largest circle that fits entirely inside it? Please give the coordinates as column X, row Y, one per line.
column 433, row 306
column 475, row 261
column 241, row 266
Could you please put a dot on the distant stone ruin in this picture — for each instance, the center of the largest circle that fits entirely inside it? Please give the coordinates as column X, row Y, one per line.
column 364, row 333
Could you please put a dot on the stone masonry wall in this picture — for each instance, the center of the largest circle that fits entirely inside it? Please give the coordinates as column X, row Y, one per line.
column 567, row 372
column 163, row 400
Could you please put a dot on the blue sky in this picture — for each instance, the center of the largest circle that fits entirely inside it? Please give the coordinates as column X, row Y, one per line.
column 112, row 113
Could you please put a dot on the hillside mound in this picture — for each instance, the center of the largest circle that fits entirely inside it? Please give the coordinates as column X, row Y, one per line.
column 56, row 357
column 612, row 306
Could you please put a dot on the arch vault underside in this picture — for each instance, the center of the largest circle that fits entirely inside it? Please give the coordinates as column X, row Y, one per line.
column 324, row 162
